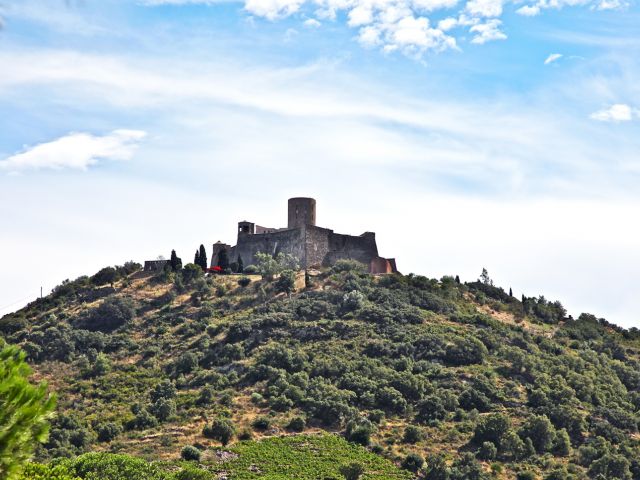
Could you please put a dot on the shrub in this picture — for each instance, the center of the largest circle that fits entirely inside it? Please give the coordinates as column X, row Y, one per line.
column 296, row 424
column 190, row 452
column 111, row 314
column 244, row 281
column 492, row 428
column 488, row 451
column 286, row 282
column 108, row 431
column 163, row 409
column 261, row 423
column 221, row 430
column 412, row 434
column 413, row 462
column 353, row 471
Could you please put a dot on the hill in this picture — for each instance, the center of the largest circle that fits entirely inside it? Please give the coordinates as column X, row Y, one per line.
column 385, row 372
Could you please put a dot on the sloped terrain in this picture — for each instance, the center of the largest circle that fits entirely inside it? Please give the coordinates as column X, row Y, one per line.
column 474, row 382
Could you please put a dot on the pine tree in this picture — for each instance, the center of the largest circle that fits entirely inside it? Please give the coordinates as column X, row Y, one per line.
column 175, row 262
column 203, row 257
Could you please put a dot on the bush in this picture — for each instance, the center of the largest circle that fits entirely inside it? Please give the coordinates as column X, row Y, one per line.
column 296, row 424
column 111, row 314
column 286, row 282
column 221, row 430
column 261, row 423
column 353, row 471
column 244, row 281
column 488, row 451
column 190, row 452
column 108, row 431
column 412, row 434
column 526, row 475
column 492, row 428
column 413, row 462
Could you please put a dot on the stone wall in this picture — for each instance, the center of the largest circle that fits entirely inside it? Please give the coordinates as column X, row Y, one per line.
column 285, row 241
column 154, row 265
column 362, row 248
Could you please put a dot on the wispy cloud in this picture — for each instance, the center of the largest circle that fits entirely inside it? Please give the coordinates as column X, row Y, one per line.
column 75, row 151
column 554, row 57
column 619, row 112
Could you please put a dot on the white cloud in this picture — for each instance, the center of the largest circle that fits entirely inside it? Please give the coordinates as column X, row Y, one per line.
column 273, row 9
column 484, row 8
column 619, row 112
column 487, row 32
column 554, row 57
column 75, row 151
column 529, row 10
column 312, row 23
column 536, row 8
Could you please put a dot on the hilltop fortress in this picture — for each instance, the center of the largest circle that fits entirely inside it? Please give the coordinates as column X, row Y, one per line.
column 312, row 245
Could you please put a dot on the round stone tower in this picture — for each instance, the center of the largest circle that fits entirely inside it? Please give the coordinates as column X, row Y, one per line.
column 302, row 211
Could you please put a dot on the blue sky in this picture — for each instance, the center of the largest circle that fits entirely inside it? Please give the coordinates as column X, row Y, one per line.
column 467, row 134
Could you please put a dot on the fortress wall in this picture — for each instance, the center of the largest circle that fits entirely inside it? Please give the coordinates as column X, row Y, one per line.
column 316, row 245
column 285, row 241
column 362, row 248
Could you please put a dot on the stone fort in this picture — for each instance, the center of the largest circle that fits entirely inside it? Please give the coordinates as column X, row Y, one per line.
column 313, row 246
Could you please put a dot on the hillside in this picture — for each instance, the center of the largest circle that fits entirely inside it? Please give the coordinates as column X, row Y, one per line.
column 476, row 383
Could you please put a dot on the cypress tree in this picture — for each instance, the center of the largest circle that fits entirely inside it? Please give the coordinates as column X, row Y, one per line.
column 510, row 292
column 240, row 264
column 175, row 262
column 458, row 279
column 196, row 259
column 203, row 257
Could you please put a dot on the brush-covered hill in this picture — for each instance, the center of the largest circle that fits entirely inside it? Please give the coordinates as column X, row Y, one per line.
column 397, row 376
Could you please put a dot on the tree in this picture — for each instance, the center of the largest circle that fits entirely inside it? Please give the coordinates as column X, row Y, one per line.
column 104, row 276
column 24, row 413
column 353, row 471
column 458, row 279
column 190, row 452
column 492, row 428
column 196, row 258
column 412, row 462
column 541, row 432
column 510, row 292
column 286, row 282
column 412, row 434
column 203, row 258
column 175, row 262
column 240, row 265
column 220, row 429
column 484, row 277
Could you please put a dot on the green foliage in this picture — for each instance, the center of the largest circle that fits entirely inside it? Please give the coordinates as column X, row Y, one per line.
column 190, row 452
column 353, row 471
column 175, row 262
column 286, row 282
column 269, row 267
column 412, row 434
column 24, row 412
column 104, row 466
column 113, row 313
column 221, row 429
column 413, row 462
column 244, row 281
column 107, row 275
column 35, row 471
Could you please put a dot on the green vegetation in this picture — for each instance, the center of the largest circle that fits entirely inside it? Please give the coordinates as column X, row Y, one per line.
column 24, row 411
column 433, row 378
